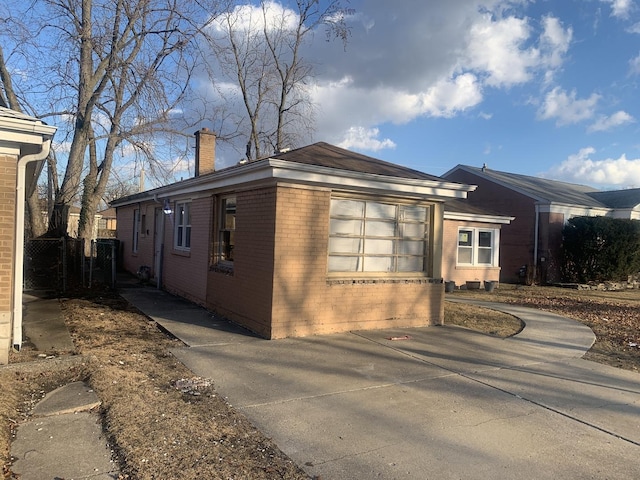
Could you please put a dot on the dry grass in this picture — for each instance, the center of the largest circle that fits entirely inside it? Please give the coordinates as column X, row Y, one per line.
column 158, row 430
column 481, row 319
column 161, row 432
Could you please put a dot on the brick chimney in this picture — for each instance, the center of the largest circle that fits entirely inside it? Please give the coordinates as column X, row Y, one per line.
column 205, row 152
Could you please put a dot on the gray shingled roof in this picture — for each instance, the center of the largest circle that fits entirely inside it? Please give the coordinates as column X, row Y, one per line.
column 326, row 155
column 8, row 113
column 541, row 189
column 457, row 205
column 628, row 198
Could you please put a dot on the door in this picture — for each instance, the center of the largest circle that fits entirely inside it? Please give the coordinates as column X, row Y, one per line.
column 158, row 245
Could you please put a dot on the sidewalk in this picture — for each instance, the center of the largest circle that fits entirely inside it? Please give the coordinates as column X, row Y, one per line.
column 444, row 403
column 63, row 438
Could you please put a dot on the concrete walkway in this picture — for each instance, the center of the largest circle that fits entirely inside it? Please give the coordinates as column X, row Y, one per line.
column 445, row 402
column 63, row 438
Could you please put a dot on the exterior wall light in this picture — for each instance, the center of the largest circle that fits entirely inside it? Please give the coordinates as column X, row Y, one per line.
column 167, row 207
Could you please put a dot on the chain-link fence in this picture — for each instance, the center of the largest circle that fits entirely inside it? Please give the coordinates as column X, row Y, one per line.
column 61, row 264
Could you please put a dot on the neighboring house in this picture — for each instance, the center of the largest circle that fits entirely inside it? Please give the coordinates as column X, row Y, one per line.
column 73, row 222
column 107, row 223
column 541, row 208
column 471, row 247
column 24, row 145
column 314, row 240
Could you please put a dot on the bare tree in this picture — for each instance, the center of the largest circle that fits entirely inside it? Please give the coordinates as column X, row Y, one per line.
column 260, row 48
column 9, row 99
column 116, row 71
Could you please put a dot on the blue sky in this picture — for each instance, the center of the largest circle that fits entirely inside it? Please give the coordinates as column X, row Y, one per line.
column 546, row 88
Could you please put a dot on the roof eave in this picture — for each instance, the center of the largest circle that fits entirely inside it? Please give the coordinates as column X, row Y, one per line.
column 282, row 170
column 476, row 217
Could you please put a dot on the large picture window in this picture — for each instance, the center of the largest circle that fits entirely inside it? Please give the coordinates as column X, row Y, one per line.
column 182, row 232
column 369, row 236
column 477, row 246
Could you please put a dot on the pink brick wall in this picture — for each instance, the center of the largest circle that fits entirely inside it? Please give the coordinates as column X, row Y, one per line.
column 461, row 274
column 307, row 302
column 245, row 296
column 279, row 286
column 185, row 273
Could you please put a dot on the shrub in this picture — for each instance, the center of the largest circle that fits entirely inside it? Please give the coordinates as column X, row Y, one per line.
column 600, row 249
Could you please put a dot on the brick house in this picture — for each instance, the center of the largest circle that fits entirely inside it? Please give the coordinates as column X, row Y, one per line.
column 313, row 240
column 540, row 208
column 24, row 145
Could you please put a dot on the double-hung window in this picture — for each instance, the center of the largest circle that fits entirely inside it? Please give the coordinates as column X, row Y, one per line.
column 371, row 236
column 478, row 246
column 182, row 231
column 227, row 233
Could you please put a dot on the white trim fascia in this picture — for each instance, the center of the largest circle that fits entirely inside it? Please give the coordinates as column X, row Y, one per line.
column 31, row 126
column 474, row 217
column 574, row 210
column 282, row 170
column 25, row 131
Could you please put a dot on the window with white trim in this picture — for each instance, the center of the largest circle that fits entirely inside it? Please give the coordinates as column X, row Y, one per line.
column 478, row 246
column 182, row 226
column 371, row 236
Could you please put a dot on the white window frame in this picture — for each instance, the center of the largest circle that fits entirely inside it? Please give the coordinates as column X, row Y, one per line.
column 395, row 245
column 182, row 226
column 475, row 246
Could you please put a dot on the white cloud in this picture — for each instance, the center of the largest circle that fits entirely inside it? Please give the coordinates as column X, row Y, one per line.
column 61, row 147
column 554, row 41
column 620, row 8
column 498, row 49
column 635, row 28
column 605, row 123
column 634, row 65
column 420, row 59
column 250, row 18
column 610, row 172
column 494, row 47
column 450, row 96
column 361, row 138
column 566, row 108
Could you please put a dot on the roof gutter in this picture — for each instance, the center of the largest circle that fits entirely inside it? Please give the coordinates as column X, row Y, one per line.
column 19, row 240
column 283, row 170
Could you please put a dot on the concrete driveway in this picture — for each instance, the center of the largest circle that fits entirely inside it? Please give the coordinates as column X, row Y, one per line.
column 435, row 402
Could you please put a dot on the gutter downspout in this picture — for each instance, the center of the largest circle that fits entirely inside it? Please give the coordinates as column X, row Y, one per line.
column 19, row 245
column 535, row 243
